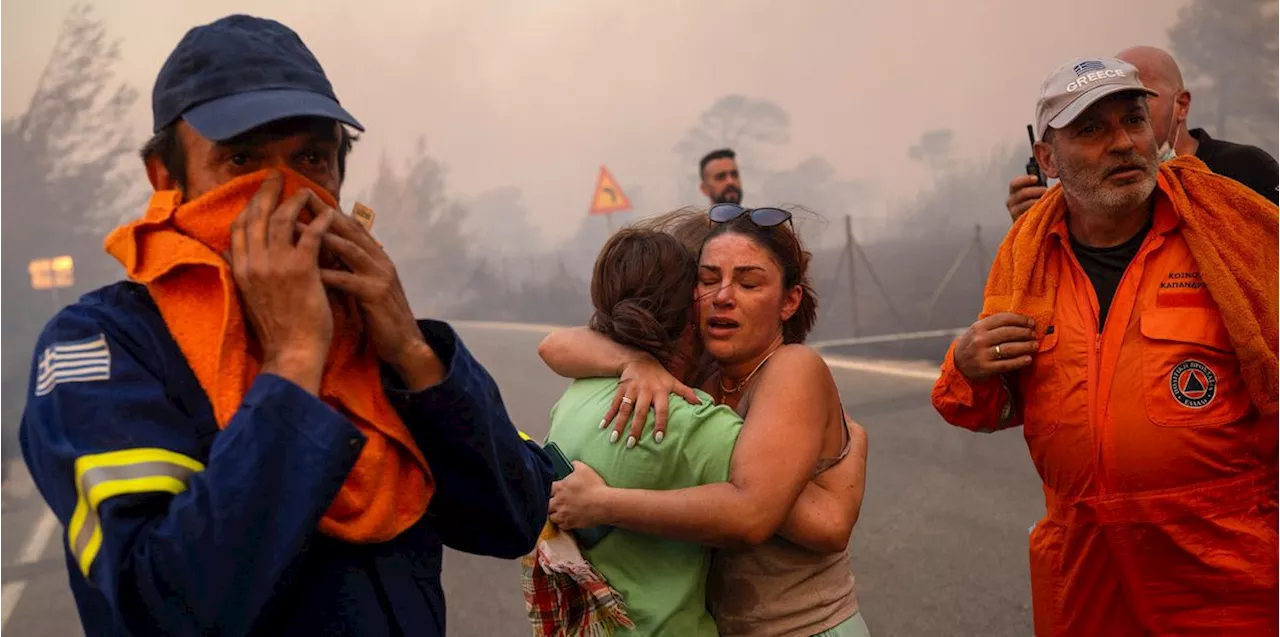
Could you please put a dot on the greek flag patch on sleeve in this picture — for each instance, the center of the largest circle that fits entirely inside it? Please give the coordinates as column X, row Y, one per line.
column 73, row 362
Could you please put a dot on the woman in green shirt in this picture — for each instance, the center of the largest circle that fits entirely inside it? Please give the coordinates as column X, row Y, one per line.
column 640, row 293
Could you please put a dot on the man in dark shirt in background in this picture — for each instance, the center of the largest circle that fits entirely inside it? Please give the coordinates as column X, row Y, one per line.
column 718, row 172
column 1246, row 164
column 1157, row 70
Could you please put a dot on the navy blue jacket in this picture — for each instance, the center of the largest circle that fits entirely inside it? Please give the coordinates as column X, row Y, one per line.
column 177, row 528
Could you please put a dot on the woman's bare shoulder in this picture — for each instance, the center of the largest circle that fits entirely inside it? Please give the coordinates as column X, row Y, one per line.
column 797, row 381
column 801, row 374
column 798, row 357
column 797, row 365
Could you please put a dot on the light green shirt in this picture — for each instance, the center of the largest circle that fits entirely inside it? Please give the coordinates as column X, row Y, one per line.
column 662, row 581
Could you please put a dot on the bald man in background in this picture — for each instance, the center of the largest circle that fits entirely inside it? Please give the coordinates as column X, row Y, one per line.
column 1157, row 70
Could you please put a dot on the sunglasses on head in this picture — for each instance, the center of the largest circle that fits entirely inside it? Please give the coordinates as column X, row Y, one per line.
column 763, row 217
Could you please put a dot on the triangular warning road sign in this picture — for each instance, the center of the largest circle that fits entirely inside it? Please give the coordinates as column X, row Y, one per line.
column 608, row 196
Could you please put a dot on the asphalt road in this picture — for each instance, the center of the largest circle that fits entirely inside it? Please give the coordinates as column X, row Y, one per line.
column 940, row 549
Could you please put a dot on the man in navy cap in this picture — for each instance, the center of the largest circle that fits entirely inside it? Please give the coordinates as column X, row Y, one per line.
column 254, row 435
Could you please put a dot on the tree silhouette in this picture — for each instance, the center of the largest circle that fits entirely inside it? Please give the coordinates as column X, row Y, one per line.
column 967, row 194
column 499, row 220
column 814, row 185
column 1227, row 51
column 934, row 149
column 734, row 121
column 65, row 182
column 70, row 137
column 421, row 229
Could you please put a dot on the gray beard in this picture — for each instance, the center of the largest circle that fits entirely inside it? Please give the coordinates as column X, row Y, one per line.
column 1104, row 199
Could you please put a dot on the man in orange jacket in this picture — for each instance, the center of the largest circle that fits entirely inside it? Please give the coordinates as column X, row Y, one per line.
column 1129, row 325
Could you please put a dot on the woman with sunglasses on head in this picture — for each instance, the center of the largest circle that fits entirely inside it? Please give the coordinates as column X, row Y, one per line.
column 797, row 472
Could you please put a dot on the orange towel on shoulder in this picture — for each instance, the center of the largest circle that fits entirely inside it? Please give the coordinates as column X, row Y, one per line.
column 175, row 250
column 1233, row 234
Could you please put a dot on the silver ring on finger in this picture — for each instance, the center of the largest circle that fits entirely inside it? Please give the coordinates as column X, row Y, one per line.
column 627, row 400
column 998, row 354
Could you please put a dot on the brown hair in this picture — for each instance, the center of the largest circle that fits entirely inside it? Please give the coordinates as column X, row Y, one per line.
column 784, row 246
column 688, row 225
column 642, row 291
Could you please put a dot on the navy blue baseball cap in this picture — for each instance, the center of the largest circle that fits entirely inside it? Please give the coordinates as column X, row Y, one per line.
column 238, row 73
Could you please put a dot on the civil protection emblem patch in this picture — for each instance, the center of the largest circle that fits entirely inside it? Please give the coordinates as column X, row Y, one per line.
column 1193, row 384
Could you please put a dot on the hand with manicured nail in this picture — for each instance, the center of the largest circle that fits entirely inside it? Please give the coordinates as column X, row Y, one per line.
column 646, row 383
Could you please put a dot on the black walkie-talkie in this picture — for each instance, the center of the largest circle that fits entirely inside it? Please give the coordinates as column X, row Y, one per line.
column 1033, row 166
column 588, row 537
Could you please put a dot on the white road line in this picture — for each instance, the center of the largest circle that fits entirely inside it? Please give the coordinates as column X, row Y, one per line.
column 882, row 368
column 31, row 551
column 39, row 540
column 886, row 369
column 540, row 328
column 9, row 596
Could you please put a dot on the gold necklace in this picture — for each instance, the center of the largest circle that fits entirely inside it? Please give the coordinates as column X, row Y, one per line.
column 743, row 382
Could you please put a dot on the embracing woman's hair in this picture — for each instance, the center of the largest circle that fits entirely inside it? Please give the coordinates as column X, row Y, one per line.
column 688, row 225
column 642, row 291
column 787, row 251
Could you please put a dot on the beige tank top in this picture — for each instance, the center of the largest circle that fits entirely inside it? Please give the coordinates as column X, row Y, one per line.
column 780, row 589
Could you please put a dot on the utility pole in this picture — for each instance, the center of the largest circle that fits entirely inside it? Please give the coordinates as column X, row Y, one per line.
column 853, row 281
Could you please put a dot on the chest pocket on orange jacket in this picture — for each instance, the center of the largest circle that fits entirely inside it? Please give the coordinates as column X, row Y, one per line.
column 1190, row 373
column 1042, row 387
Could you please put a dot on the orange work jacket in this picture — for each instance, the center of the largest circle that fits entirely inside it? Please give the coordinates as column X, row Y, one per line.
column 1159, row 474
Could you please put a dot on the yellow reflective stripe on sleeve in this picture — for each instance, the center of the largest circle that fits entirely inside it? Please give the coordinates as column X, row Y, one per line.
column 102, row 476
column 523, row 435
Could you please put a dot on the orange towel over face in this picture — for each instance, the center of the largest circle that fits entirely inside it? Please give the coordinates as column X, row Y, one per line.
column 175, row 250
column 1232, row 233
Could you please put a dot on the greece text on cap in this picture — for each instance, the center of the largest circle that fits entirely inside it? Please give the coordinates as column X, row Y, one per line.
column 1093, row 76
